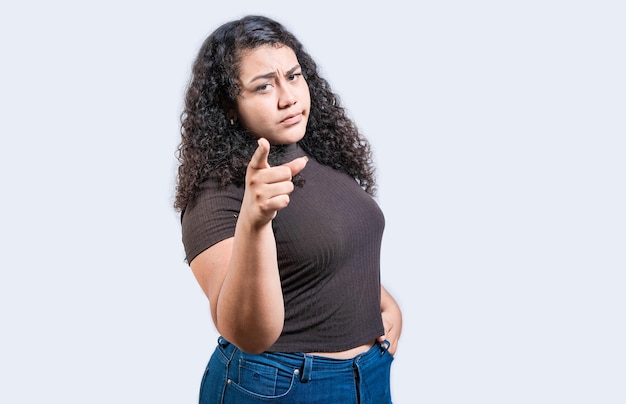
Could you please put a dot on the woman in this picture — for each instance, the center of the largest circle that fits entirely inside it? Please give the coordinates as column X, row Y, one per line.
column 280, row 228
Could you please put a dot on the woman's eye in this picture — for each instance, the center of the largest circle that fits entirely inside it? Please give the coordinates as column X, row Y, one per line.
column 263, row 87
column 294, row 76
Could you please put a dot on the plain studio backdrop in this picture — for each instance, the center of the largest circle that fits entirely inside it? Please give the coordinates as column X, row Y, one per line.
column 499, row 135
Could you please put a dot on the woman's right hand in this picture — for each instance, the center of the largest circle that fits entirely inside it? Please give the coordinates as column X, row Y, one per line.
column 268, row 188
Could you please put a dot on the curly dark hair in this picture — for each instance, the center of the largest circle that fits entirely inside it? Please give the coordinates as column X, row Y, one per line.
column 212, row 145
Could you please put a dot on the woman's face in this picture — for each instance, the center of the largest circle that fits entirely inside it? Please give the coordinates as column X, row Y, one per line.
column 274, row 102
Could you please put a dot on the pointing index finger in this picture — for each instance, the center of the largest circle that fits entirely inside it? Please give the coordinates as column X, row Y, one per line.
column 259, row 158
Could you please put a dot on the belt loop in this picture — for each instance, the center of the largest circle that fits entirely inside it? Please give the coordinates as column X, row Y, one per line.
column 307, row 368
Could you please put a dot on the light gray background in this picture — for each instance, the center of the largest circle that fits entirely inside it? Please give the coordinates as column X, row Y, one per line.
column 498, row 129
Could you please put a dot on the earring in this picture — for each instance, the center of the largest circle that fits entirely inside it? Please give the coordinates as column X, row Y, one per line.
column 232, row 122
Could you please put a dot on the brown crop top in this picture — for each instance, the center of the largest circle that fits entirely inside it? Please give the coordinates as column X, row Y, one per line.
column 328, row 242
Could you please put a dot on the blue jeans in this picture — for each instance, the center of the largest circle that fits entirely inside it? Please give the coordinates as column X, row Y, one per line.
column 233, row 376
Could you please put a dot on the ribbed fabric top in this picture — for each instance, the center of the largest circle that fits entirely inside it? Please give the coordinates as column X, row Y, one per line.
column 328, row 242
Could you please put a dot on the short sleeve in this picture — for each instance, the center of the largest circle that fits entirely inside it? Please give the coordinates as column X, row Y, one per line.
column 210, row 218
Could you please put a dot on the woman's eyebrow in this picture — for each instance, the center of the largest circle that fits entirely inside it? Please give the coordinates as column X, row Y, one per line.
column 273, row 74
column 263, row 76
column 293, row 69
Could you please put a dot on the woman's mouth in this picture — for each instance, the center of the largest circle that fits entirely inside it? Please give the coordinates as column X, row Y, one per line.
column 292, row 119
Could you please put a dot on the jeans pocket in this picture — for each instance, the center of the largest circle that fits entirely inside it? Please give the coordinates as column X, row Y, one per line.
column 263, row 379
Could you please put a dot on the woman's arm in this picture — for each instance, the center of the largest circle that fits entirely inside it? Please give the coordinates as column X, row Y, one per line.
column 240, row 275
column 392, row 319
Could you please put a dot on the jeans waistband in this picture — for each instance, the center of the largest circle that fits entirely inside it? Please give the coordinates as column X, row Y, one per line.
column 306, row 364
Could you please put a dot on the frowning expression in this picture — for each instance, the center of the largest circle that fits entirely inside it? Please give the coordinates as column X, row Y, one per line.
column 274, row 101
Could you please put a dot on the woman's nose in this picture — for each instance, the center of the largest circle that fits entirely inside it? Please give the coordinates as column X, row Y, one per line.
column 287, row 97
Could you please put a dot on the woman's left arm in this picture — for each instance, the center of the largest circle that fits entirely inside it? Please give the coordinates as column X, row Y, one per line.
column 392, row 319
